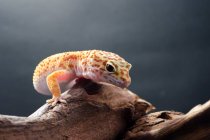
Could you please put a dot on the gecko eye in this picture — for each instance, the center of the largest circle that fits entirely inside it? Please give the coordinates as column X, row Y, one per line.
column 110, row 68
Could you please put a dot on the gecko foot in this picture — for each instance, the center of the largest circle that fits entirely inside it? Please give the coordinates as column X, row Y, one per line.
column 55, row 100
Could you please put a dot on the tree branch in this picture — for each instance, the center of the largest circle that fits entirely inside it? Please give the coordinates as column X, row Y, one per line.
column 94, row 111
column 170, row 125
column 106, row 112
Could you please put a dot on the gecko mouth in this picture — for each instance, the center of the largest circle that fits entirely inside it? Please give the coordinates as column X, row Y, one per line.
column 123, row 84
column 117, row 82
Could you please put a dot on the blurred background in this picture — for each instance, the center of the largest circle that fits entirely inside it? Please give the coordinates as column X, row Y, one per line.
column 167, row 42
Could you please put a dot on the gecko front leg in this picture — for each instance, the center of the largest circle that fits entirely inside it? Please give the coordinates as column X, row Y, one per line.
column 53, row 80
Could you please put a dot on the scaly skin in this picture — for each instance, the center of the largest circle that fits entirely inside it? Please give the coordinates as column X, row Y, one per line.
column 54, row 74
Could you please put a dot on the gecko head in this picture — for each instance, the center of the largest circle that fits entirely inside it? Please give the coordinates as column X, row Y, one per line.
column 107, row 67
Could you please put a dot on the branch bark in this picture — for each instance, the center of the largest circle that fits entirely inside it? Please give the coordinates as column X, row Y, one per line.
column 106, row 112
column 94, row 111
column 170, row 125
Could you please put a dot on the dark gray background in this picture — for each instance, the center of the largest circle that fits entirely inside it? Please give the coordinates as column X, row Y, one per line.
column 167, row 42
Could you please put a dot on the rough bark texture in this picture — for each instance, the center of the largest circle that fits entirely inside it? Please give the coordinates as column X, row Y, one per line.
column 170, row 125
column 106, row 112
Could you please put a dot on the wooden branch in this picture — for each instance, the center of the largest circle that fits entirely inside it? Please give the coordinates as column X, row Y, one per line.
column 94, row 111
column 106, row 112
column 170, row 125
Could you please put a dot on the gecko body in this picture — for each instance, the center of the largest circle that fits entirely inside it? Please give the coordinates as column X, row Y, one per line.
column 54, row 74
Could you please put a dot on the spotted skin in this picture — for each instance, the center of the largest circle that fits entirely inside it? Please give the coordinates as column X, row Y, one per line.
column 54, row 74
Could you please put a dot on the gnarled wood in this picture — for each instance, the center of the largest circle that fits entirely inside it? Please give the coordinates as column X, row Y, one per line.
column 170, row 125
column 94, row 111
column 106, row 112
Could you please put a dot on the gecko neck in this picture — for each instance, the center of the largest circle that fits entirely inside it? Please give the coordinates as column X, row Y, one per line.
column 85, row 71
column 79, row 69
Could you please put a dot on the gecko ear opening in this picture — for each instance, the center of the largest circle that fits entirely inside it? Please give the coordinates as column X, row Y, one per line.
column 110, row 67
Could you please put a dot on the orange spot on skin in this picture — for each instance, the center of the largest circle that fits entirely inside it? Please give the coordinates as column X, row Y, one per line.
column 104, row 63
column 121, row 72
column 84, row 62
column 62, row 65
column 70, row 57
column 98, row 60
column 97, row 57
column 96, row 65
column 102, row 69
column 123, row 79
column 70, row 65
column 117, row 73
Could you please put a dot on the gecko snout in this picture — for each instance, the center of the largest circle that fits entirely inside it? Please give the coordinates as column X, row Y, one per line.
column 127, row 83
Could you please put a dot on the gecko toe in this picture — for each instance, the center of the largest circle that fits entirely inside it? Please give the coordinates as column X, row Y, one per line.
column 55, row 100
column 50, row 101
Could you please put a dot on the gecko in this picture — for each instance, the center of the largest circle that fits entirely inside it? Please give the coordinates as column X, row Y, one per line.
column 54, row 73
